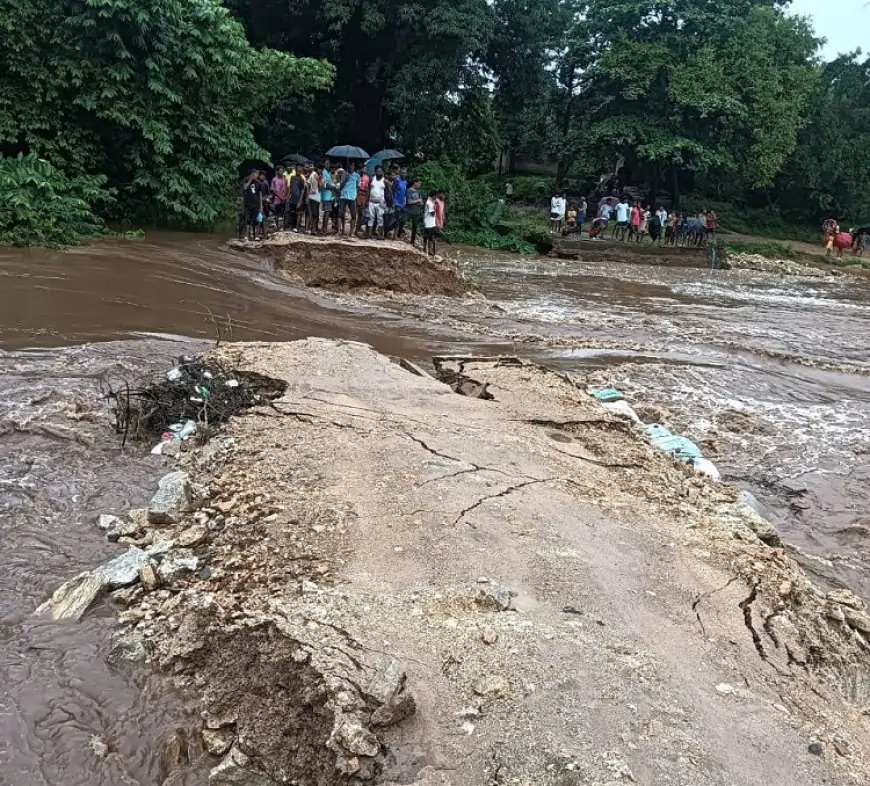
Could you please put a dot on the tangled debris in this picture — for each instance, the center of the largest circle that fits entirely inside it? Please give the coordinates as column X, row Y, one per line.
column 204, row 392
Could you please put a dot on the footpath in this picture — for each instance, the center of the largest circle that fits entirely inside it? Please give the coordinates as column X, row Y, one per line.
column 372, row 579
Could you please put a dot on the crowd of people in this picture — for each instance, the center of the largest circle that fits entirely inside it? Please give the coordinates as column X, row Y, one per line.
column 632, row 221
column 341, row 200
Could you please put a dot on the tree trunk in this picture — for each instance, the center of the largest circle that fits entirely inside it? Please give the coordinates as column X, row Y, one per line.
column 675, row 188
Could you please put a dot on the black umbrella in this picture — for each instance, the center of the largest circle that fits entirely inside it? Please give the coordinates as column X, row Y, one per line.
column 388, row 155
column 252, row 163
column 347, row 151
column 295, row 159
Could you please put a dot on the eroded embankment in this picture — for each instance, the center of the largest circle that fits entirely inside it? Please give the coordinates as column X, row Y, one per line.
column 344, row 264
column 372, row 579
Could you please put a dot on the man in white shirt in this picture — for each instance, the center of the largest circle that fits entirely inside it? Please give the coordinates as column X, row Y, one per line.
column 377, row 202
column 557, row 214
column 621, row 227
column 430, row 225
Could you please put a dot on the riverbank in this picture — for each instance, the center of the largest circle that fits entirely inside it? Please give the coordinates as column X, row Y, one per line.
column 412, row 578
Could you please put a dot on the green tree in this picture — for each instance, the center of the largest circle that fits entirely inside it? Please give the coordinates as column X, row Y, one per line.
column 829, row 174
column 160, row 97
column 683, row 86
column 398, row 66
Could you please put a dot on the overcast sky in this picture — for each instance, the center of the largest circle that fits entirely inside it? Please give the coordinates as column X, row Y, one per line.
column 845, row 23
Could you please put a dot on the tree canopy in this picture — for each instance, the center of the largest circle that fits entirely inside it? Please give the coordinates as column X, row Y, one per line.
column 160, row 98
column 161, row 101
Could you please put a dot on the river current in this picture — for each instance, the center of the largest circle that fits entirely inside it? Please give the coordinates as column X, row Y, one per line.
column 769, row 375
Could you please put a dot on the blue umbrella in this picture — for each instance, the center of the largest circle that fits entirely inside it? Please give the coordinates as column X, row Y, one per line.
column 388, row 155
column 346, row 151
column 371, row 164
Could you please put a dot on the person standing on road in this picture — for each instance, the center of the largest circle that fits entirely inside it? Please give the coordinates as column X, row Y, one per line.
column 313, row 181
column 349, row 184
column 377, row 202
column 414, row 208
column 557, row 213
column 327, row 195
column 430, row 223
column 252, row 202
column 279, row 197
column 581, row 214
column 622, row 213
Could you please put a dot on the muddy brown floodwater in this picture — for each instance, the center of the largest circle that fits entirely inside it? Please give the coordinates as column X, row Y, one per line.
column 768, row 374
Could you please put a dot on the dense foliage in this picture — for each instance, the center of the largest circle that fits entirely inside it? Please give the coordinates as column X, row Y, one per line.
column 41, row 206
column 154, row 105
column 158, row 98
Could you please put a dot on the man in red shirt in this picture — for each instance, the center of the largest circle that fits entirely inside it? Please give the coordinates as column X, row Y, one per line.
column 712, row 222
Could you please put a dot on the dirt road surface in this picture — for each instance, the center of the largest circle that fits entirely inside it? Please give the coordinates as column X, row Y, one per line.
column 405, row 585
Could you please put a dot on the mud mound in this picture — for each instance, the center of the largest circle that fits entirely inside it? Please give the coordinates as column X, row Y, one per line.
column 344, row 264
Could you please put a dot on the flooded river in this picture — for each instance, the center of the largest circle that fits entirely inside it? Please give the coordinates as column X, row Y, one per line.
column 769, row 375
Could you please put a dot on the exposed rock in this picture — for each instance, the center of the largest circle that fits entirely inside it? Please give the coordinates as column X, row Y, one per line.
column 219, row 720
column 725, row 689
column 859, row 620
column 218, row 741
column 816, row 748
column 73, row 598
column 395, row 712
column 127, row 647
column 488, row 636
column 123, row 570
column 99, row 747
column 148, row 577
column 173, row 496
column 491, row 687
column 494, row 597
column 172, row 751
column 108, row 522
column 236, row 770
column 834, row 612
column 191, row 536
column 174, row 565
column 356, row 738
column 846, row 598
column 388, row 680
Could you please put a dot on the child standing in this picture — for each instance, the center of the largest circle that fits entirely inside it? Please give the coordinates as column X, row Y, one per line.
column 430, row 224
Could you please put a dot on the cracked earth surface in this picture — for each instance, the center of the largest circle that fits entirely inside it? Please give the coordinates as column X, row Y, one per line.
column 650, row 636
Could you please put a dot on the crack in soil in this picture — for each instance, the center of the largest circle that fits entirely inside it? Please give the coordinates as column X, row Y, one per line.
column 503, row 493
column 708, row 594
column 745, row 606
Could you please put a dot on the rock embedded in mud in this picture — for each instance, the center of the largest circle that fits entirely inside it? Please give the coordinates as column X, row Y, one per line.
column 353, row 737
column 236, row 770
column 108, row 522
column 73, row 598
column 858, row 620
column 494, row 597
column 174, row 565
column 128, row 647
column 172, row 497
column 387, row 681
column 846, row 597
column 191, row 536
column 218, row 741
column 148, row 577
column 392, row 714
column 123, row 570
column 219, row 720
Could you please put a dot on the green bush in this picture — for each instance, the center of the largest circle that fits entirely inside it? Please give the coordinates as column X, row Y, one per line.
column 770, row 248
column 41, row 206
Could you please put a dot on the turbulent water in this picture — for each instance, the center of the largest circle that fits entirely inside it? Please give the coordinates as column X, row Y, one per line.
column 769, row 375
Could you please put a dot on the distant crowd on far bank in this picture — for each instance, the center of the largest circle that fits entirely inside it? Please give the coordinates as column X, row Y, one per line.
column 632, row 221
column 330, row 199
